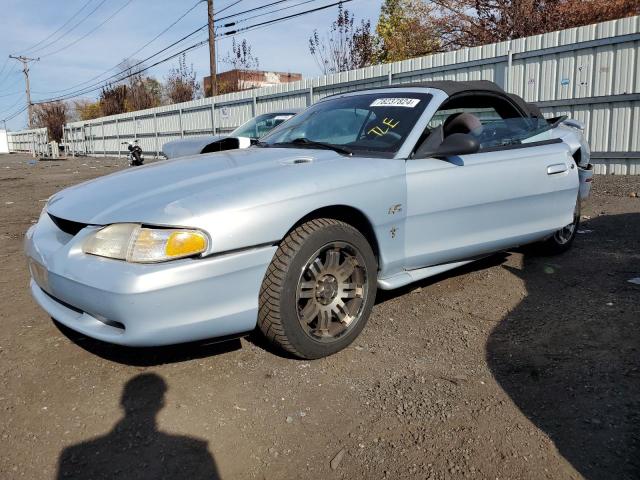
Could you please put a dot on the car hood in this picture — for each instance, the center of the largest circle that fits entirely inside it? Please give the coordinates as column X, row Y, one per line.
column 179, row 192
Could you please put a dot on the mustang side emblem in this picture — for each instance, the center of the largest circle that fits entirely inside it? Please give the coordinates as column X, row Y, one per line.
column 395, row 209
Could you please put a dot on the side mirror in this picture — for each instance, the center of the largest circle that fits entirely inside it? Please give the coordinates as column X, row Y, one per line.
column 457, row 144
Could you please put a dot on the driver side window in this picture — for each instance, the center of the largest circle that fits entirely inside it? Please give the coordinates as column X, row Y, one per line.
column 485, row 115
column 492, row 120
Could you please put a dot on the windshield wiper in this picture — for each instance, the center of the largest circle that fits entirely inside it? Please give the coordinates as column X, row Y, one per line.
column 301, row 141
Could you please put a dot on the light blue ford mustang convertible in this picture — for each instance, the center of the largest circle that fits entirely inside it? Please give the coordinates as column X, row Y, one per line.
column 363, row 190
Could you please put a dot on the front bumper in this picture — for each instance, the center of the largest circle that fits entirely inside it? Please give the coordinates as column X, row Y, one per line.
column 143, row 305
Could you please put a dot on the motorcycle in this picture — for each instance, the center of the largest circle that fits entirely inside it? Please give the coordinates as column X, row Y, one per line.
column 135, row 153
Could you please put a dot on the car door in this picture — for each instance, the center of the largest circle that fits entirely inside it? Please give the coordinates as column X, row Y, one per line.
column 505, row 195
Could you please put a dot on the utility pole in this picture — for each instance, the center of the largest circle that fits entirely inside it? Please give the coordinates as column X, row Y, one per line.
column 212, row 49
column 25, row 68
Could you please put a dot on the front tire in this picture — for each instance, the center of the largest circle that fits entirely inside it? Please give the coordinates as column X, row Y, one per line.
column 319, row 289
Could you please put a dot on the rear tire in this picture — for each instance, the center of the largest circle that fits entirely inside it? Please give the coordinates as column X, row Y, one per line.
column 319, row 289
column 562, row 240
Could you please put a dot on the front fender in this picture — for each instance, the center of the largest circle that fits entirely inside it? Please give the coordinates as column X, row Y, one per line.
column 374, row 187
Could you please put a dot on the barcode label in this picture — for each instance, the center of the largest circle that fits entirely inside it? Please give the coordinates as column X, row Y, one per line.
column 396, row 102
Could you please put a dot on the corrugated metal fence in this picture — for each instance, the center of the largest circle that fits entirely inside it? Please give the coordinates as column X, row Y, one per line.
column 34, row 141
column 590, row 73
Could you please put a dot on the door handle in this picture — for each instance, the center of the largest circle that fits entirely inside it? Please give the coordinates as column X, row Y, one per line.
column 556, row 168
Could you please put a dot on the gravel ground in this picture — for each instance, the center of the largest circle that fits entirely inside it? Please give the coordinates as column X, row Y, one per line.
column 514, row 367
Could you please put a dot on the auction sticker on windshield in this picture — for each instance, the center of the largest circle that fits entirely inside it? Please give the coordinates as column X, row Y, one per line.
column 395, row 102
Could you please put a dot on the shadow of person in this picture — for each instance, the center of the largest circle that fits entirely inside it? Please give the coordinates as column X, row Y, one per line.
column 135, row 448
column 568, row 355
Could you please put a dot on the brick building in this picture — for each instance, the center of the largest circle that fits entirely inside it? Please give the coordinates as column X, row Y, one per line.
column 236, row 80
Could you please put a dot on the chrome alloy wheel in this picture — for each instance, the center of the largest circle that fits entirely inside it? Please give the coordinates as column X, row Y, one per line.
column 565, row 234
column 332, row 291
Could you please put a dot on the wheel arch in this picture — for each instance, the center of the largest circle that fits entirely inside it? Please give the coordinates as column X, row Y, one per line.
column 348, row 214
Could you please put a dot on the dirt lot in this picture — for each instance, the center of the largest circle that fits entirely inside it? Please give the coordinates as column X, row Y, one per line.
column 517, row 367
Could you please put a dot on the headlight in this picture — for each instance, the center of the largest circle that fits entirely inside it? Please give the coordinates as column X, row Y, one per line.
column 134, row 243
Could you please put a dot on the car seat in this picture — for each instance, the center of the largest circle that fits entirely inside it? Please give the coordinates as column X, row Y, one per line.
column 462, row 123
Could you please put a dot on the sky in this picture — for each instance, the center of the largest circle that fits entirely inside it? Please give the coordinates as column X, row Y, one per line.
column 117, row 28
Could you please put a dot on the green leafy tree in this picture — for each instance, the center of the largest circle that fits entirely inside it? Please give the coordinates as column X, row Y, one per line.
column 143, row 92
column 406, row 30
column 86, row 109
column 467, row 23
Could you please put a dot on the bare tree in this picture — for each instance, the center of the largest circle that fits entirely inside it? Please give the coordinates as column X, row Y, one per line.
column 113, row 99
column 345, row 47
column 51, row 115
column 243, row 65
column 181, row 84
column 141, row 91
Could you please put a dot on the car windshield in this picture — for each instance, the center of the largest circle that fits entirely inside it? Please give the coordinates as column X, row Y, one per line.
column 261, row 125
column 372, row 124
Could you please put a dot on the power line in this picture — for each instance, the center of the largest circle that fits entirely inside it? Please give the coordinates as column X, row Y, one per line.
column 226, row 34
column 267, row 5
column 242, row 20
column 13, row 70
column 14, row 83
column 14, row 104
column 4, row 65
column 124, row 77
column 118, row 74
column 70, row 30
column 96, row 87
column 10, row 94
column 15, row 114
column 127, row 3
column 227, row 7
column 163, row 32
column 130, row 56
column 59, row 29
column 281, row 19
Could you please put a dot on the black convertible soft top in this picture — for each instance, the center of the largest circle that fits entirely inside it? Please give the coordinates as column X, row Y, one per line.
column 451, row 87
